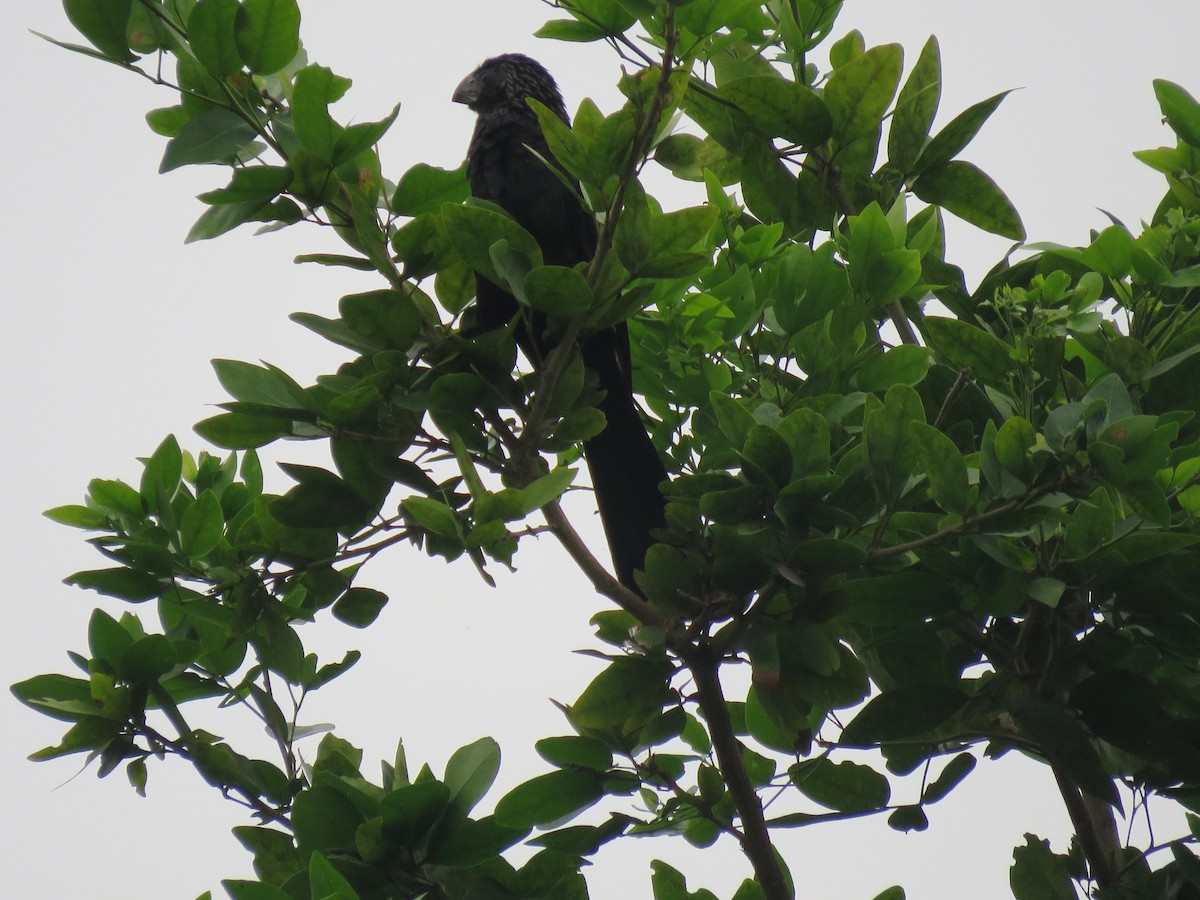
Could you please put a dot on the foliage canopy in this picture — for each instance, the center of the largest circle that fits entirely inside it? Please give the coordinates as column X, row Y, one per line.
column 936, row 523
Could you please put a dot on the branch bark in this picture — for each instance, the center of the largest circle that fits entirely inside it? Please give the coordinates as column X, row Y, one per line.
column 755, row 837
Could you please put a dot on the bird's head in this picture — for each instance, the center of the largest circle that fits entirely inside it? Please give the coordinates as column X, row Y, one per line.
column 504, row 83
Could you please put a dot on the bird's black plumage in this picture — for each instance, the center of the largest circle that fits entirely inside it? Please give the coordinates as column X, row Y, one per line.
column 626, row 469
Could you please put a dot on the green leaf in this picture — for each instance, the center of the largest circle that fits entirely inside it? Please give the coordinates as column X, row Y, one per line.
column 387, row 319
column 337, row 259
column 324, row 819
column 359, row 607
column 212, row 34
column 214, row 136
column 734, row 420
column 908, row 818
column 265, row 385
column 1180, row 109
column 886, row 433
column 201, row 526
column 320, row 500
column 78, row 517
column 218, row 220
column 570, row 30
column 104, row 23
column 327, row 883
column 575, row 751
column 358, row 138
column 434, row 516
column 944, row 467
column 107, row 638
column 1039, row 874
column 117, row 497
column 148, row 659
column 42, row 691
column 558, row 290
column 162, row 474
column 315, row 88
column 904, row 364
column 971, row 347
column 252, row 890
column 630, row 690
column 168, row 120
column 126, row 584
column 251, row 184
column 915, row 108
column 424, row 188
column 268, row 34
column 411, row 810
column 858, row 93
column 549, row 798
column 962, row 189
column 781, row 108
column 473, row 230
column 470, row 773
column 1014, row 444
column 951, row 776
column 547, row 488
column 235, row 431
column 910, row 711
column 846, row 787
column 951, row 140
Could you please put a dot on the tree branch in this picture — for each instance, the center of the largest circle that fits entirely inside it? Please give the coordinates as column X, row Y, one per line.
column 705, row 665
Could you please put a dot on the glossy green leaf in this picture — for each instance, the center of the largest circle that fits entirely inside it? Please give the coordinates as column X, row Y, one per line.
column 915, row 108
column 570, row 30
column 846, row 786
column 268, row 34
column 359, row 607
column 949, row 778
column 962, row 189
column 903, row 364
column 411, row 810
column 473, row 230
column 215, row 136
column 1180, row 109
column 575, row 751
column 859, row 93
column 201, row 526
column 234, row 431
column 1039, row 874
column 424, row 188
column 162, row 473
column 470, row 773
column 631, row 688
column 971, row 347
column 386, row 318
column 328, row 882
column 125, row 584
column 893, row 456
column 951, row 140
column 315, row 88
column 212, row 33
column 905, row 712
column 324, row 819
column 557, row 290
column 549, row 798
column 945, row 468
column 781, row 108
column 103, row 23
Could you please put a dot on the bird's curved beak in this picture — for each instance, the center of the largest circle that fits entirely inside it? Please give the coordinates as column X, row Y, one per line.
column 467, row 91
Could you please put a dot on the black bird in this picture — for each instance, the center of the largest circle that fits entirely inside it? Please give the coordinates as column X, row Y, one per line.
column 626, row 469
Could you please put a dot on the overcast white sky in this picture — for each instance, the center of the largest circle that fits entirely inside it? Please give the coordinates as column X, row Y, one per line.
column 111, row 322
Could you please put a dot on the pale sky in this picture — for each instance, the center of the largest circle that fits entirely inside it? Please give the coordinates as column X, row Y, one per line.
column 112, row 321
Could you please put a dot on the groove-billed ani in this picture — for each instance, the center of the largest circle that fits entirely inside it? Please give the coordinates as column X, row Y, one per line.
column 624, row 465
